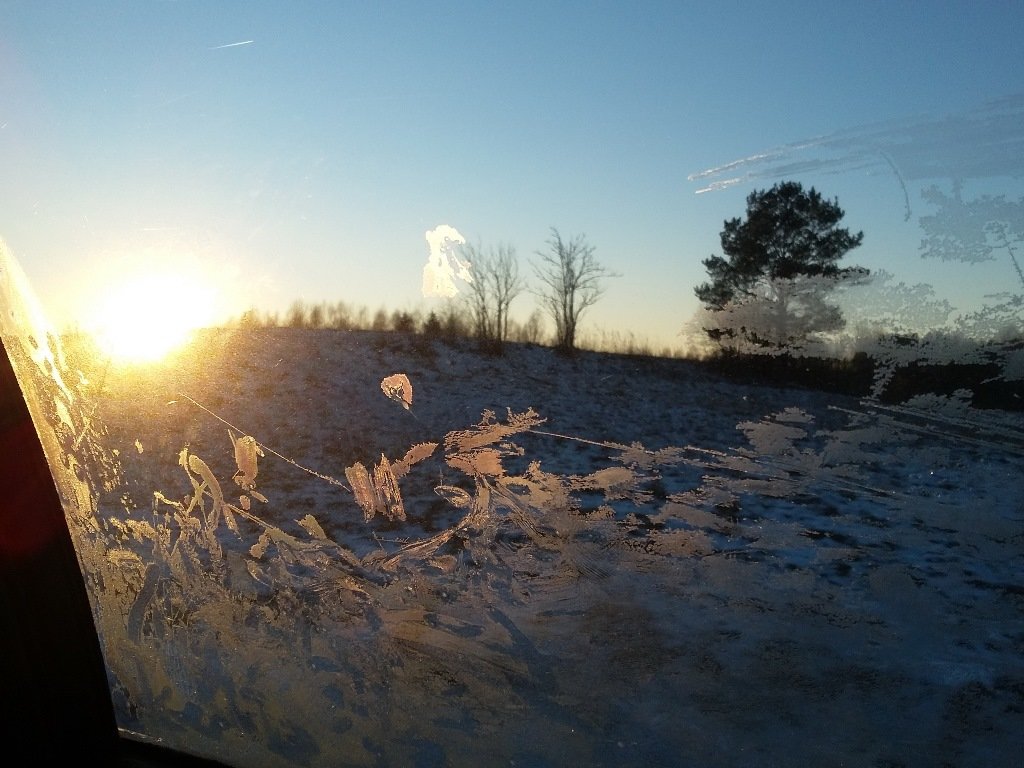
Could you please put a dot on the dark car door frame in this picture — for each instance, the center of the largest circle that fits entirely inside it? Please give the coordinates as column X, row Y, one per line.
column 56, row 698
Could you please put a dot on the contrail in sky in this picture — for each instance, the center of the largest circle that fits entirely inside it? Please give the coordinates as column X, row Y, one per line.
column 231, row 45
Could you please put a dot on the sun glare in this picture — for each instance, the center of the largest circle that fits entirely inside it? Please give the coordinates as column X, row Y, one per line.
column 145, row 317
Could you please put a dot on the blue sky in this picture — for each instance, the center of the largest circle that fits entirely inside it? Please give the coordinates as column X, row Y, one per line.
column 308, row 161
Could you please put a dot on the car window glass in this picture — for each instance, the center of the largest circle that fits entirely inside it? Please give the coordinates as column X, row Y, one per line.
column 504, row 521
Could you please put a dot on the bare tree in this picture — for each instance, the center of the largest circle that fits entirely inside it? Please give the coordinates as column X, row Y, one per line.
column 530, row 330
column 495, row 284
column 297, row 316
column 571, row 280
column 339, row 316
column 316, row 316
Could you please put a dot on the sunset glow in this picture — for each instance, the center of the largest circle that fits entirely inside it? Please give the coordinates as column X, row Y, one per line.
column 145, row 317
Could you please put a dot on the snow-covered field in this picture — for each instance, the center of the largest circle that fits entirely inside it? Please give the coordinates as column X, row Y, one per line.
column 603, row 561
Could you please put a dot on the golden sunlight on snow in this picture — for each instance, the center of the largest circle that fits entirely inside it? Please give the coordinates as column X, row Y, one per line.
column 144, row 317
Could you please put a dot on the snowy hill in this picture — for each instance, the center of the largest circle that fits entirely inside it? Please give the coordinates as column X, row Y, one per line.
column 546, row 561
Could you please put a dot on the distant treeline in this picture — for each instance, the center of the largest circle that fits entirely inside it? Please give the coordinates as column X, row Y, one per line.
column 450, row 322
column 896, row 369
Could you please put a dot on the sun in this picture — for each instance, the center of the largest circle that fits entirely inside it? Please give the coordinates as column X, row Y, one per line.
column 142, row 318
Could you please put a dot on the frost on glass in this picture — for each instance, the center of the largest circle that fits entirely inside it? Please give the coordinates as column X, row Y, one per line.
column 944, row 169
column 445, row 265
column 540, row 560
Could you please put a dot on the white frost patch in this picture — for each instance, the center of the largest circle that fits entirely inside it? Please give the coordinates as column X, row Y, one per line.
column 398, row 388
column 444, row 264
